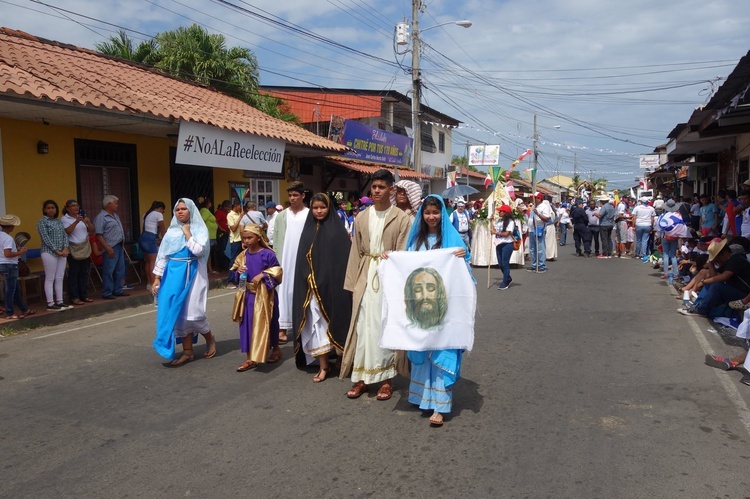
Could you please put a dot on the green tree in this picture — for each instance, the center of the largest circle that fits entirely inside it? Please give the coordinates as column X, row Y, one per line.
column 194, row 54
column 122, row 46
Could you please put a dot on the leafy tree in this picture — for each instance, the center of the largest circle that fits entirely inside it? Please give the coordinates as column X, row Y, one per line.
column 122, row 46
column 194, row 54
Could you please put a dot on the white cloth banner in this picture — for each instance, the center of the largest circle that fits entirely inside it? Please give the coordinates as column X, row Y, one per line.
column 429, row 301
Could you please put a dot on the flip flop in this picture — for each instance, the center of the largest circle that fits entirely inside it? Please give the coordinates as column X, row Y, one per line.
column 435, row 423
column 27, row 313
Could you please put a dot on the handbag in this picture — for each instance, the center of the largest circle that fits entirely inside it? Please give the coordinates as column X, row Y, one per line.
column 23, row 269
column 516, row 239
column 80, row 251
column 136, row 252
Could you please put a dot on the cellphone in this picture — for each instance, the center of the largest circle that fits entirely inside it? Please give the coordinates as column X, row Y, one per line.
column 82, row 212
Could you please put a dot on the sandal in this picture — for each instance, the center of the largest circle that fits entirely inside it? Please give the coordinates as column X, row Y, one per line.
column 27, row 313
column 324, row 373
column 15, row 317
column 246, row 366
column 187, row 356
column 385, row 392
column 77, row 302
column 88, row 300
column 436, row 420
column 357, row 390
column 275, row 357
column 210, row 348
column 738, row 305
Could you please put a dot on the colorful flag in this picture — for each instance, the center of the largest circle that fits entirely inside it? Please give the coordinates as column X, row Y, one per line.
column 495, row 172
column 487, row 181
column 450, row 180
column 510, row 189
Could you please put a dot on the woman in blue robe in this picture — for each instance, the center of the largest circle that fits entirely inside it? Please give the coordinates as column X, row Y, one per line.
column 434, row 372
column 181, row 285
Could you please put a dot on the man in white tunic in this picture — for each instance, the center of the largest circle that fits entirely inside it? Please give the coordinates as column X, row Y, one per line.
column 379, row 229
column 287, row 230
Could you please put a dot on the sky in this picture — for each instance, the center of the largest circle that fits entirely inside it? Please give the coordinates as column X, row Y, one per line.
column 607, row 79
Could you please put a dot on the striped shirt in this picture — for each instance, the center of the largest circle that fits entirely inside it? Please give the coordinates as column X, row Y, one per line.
column 53, row 235
column 110, row 227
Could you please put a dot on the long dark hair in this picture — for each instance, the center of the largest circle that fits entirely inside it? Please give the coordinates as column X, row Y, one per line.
column 506, row 220
column 155, row 205
column 423, row 229
column 53, row 203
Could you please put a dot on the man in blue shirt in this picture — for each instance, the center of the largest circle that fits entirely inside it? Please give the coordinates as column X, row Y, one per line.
column 606, row 216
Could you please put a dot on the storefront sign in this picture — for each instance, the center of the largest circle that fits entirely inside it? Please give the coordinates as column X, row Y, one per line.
column 206, row 145
column 649, row 161
column 373, row 144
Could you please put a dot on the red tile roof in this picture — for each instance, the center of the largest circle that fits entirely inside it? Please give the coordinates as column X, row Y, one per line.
column 370, row 168
column 57, row 72
column 313, row 106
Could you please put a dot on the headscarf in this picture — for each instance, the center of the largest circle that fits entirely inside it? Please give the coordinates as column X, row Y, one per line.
column 450, row 236
column 413, row 193
column 174, row 239
column 255, row 229
column 323, row 250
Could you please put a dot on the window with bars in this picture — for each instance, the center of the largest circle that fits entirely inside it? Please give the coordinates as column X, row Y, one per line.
column 105, row 168
column 441, row 142
column 428, row 143
column 263, row 191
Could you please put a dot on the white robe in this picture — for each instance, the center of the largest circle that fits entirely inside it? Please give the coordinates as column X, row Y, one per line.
column 314, row 336
column 372, row 364
column 550, row 239
column 294, row 225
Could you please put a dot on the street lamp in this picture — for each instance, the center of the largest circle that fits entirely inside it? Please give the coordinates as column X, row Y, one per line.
column 415, row 80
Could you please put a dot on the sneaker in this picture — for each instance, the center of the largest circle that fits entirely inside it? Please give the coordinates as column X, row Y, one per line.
column 54, row 308
column 128, row 286
column 689, row 311
column 64, row 305
column 723, row 363
column 231, row 286
column 530, row 269
column 503, row 286
column 542, row 271
column 601, row 256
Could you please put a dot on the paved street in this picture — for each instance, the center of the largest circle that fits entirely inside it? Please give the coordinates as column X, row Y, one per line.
column 583, row 382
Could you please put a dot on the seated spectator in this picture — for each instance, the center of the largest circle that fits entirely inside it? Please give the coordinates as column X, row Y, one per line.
column 730, row 282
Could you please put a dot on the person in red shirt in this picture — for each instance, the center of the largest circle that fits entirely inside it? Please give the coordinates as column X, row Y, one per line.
column 222, row 234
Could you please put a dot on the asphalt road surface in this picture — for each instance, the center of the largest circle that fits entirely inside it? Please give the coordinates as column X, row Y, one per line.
column 583, row 382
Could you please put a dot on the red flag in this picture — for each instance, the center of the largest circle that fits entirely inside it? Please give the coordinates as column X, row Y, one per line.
column 510, row 189
column 487, row 181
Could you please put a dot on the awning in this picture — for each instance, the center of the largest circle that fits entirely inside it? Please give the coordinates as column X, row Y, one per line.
column 370, row 168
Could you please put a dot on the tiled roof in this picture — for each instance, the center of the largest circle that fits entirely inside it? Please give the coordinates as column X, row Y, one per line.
column 57, row 72
column 370, row 168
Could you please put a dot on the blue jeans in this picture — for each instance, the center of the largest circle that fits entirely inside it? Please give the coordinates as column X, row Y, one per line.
column 669, row 249
column 236, row 248
column 504, row 251
column 113, row 271
column 641, row 237
column 713, row 295
column 563, row 234
column 12, row 289
column 537, row 251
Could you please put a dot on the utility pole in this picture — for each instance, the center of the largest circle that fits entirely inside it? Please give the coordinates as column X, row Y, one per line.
column 416, row 84
column 534, row 201
column 575, row 164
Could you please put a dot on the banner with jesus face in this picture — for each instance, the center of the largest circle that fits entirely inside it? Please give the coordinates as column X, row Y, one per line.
column 429, row 301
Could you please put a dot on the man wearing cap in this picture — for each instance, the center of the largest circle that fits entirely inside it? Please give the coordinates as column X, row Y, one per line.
column 581, row 232
column 644, row 223
column 591, row 211
column 286, row 234
column 462, row 222
column 539, row 217
column 730, row 282
column 606, row 216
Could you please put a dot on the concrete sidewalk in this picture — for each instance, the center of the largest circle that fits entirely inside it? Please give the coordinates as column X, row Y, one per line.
column 42, row 317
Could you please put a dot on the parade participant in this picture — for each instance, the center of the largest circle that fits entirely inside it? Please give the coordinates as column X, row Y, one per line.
column 286, row 233
column 55, row 250
column 461, row 221
column 550, row 235
column 9, row 268
column 539, row 217
column 407, row 197
column 503, row 231
column 581, row 233
column 181, row 285
column 322, row 307
column 377, row 230
column 256, row 307
column 434, row 372
column 153, row 229
column 79, row 228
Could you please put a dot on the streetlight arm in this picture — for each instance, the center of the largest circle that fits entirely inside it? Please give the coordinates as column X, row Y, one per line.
column 464, row 24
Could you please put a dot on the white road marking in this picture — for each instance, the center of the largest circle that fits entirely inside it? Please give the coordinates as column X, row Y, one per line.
column 115, row 320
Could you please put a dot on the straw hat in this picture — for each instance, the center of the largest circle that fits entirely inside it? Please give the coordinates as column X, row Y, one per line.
column 21, row 239
column 715, row 248
column 8, row 220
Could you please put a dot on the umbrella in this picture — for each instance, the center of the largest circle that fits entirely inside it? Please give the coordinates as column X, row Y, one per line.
column 458, row 191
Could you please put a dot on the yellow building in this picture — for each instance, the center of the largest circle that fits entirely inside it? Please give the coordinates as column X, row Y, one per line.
column 77, row 124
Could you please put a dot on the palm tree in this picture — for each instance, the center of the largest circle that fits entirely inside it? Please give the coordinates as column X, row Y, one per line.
column 122, row 46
